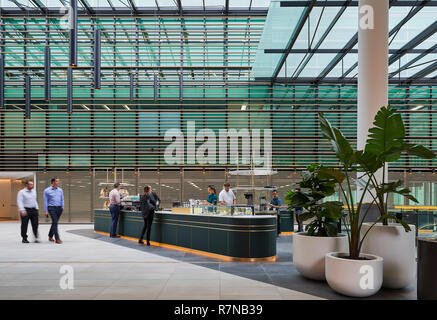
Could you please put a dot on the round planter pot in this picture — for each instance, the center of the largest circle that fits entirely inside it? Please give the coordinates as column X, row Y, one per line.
column 354, row 278
column 309, row 253
column 397, row 248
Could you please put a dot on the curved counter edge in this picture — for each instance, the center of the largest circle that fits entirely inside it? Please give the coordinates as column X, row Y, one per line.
column 230, row 238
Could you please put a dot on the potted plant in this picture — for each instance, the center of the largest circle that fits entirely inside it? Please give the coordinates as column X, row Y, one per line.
column 351, row 273
column 321, row 236
column 394, row 242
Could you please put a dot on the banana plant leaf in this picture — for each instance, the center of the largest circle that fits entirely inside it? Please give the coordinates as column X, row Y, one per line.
column 339, row 143
column 385, row 137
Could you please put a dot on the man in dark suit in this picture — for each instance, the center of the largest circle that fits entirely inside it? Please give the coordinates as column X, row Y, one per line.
column 148, row 206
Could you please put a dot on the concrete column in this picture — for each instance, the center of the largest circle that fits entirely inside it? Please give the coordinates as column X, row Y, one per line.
column 373, row 32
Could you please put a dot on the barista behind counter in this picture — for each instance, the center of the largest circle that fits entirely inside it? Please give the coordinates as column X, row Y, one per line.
column 227, row 196
column 228, row 237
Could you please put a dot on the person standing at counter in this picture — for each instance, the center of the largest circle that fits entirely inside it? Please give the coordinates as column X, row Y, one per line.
column 148, row 206
column 28, row 207
column 157, row 200
column 114, row 208
column 227, row 196
column 54, row 205
column 212, row 196
column 276, row 204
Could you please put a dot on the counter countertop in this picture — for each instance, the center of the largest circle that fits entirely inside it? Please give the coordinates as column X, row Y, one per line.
column 207, row 215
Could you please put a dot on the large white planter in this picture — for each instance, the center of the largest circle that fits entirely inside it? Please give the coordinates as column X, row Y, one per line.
column 309, row 253
column 397, row 248
column 354, row 278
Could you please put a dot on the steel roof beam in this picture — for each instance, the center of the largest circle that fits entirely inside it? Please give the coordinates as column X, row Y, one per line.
column 40, row 5
column 133, row 6
column 179, row 3
column 341, row 3
column 348, row 47
column 87, row 7
column 51, row 12
column 295, row 34
column 331, row 51
column 413, row 61
column 310, row 81
column 394, row 30
column 425, row 34
column 424, row 72
column 322, row 38
column 81, row 67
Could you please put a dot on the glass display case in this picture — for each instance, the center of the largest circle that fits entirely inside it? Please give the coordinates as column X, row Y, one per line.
column 237, row 210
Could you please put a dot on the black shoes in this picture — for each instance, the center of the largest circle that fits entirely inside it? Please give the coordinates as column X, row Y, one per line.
column 36, row 241
column 25, row 241
column 140, row 241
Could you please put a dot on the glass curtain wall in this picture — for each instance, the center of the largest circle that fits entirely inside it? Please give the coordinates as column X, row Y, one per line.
column 83, row 191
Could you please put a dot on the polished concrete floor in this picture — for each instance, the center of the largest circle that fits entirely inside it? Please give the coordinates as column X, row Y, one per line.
column 105, row 268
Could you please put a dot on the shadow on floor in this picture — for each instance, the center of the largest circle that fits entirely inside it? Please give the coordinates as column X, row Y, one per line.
column 281, row 273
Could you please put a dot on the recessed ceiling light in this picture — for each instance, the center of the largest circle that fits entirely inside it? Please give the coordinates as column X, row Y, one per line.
column 243, row 107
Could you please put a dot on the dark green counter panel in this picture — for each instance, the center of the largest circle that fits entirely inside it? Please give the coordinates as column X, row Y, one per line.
column 239, row 237
column 287, row 221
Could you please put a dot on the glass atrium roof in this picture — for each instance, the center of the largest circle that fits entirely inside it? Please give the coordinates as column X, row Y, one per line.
column 307, row 42
column 133, row 4
column 319, row 42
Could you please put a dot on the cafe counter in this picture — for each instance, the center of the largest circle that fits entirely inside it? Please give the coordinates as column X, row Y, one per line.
column 228, row 237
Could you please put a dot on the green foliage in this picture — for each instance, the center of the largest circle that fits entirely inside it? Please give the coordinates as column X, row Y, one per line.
column 385, row 144
column 319, row 182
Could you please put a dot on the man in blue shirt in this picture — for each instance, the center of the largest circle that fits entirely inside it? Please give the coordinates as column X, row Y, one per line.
column 54, row 205
column 276, row 204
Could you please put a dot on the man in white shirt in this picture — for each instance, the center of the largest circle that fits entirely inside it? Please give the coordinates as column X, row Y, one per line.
column 114, row 208
column 28, row 207
column 226, row 196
